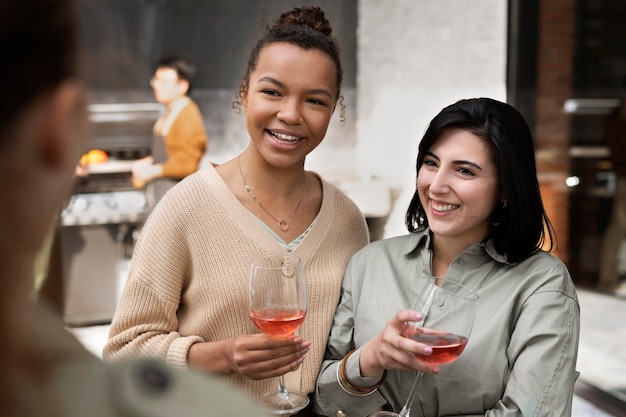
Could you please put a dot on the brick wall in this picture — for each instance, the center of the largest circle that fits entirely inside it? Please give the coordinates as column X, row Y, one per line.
column 582, row 54
column 554, row 86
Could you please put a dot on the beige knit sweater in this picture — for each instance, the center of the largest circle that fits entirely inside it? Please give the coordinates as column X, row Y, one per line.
column 188, row 279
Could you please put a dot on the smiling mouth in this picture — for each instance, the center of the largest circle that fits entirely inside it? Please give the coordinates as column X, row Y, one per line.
column 444, row 207
column 282, row 138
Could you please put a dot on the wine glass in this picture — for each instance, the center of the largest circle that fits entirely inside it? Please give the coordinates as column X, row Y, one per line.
column 448, row 309
column 278, row 305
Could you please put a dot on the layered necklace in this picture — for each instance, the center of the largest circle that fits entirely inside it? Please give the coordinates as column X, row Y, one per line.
column 282, row 224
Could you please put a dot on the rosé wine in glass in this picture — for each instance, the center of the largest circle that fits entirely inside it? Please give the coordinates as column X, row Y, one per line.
column 278, row 305
column 277, row 322
column 446, row 346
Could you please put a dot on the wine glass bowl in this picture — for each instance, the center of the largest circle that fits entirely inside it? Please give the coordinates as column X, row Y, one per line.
column 277, row 322
column 448, row 310
column 278, row 305
column 446, row 346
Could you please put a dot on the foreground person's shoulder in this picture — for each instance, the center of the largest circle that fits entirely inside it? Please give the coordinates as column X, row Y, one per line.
column 151, row 388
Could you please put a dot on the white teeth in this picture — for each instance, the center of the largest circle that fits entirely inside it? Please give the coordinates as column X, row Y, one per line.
column 445, row 207
column 283, row 137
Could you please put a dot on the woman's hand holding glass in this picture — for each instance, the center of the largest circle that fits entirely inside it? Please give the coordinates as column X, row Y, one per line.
column 393, row 351
column 259, row 356
column 255, row 356
column 447, row 316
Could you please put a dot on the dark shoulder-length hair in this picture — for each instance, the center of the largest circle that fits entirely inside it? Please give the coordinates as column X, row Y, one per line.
column 520, row 226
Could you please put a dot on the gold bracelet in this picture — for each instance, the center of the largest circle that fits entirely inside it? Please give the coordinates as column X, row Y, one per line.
column 349, row 392
column 341, row 376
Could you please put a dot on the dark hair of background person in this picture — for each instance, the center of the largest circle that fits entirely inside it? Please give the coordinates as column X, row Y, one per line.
column 183, row 67
column 522, row 227
column 39, row 39
column 305, row 27
column 39, row 56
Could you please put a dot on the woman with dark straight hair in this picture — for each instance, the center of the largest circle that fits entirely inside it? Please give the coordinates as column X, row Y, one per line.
column 477, row 219
column 522, row 226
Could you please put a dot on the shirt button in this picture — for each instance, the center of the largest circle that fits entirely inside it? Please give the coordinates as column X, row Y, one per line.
column 340, row 413
column 461, row 261
column 154, row 378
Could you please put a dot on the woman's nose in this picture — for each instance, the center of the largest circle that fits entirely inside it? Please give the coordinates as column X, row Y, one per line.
column 439, row 182
column 290, row 113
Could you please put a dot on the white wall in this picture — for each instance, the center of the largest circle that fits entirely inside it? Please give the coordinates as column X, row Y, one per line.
column 414, row 57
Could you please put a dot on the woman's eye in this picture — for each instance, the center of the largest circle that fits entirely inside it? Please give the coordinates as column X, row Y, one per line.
column 465, row 171
column 270, row 92
column 430, row 163
column 317, row 101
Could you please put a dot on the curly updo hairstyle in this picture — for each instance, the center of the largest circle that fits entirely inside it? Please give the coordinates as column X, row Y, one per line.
column 305, row 27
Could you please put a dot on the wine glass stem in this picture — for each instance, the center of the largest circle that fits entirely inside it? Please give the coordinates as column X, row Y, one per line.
column 283, row 392
column 406, row 410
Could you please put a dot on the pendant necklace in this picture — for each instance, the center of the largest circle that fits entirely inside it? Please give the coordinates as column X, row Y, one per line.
column 282, row 224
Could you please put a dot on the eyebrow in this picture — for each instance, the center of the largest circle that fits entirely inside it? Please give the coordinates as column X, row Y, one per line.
column 311, row 91
column 457, row 162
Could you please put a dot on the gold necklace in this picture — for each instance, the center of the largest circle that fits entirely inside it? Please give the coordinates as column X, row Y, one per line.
column 282, row 224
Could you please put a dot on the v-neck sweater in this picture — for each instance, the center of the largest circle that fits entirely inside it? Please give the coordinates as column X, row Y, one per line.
column 188, row 279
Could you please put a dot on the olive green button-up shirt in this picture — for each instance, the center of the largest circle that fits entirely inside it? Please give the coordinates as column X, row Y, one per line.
column 520, row 359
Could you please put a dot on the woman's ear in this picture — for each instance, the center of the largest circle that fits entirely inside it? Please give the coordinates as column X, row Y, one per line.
column 63, row 121
column 244, row 97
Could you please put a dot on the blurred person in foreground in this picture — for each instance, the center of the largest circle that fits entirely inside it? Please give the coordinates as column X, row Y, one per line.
column 44, row 370
column 476, row 218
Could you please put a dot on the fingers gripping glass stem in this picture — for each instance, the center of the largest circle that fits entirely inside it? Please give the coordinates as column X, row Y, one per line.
column 449, row 308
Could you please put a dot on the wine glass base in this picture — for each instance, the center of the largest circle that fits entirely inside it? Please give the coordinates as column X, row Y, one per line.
column 278, row 403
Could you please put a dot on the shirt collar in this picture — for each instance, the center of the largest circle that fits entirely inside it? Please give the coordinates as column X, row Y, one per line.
column 422, row 239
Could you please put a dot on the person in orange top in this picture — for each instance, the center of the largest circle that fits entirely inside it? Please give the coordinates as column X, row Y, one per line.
column 180, row 136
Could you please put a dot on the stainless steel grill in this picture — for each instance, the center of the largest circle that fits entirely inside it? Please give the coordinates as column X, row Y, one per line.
column 102, row 220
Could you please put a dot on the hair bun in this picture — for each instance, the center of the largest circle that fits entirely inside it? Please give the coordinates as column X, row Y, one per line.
column 309, row 16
